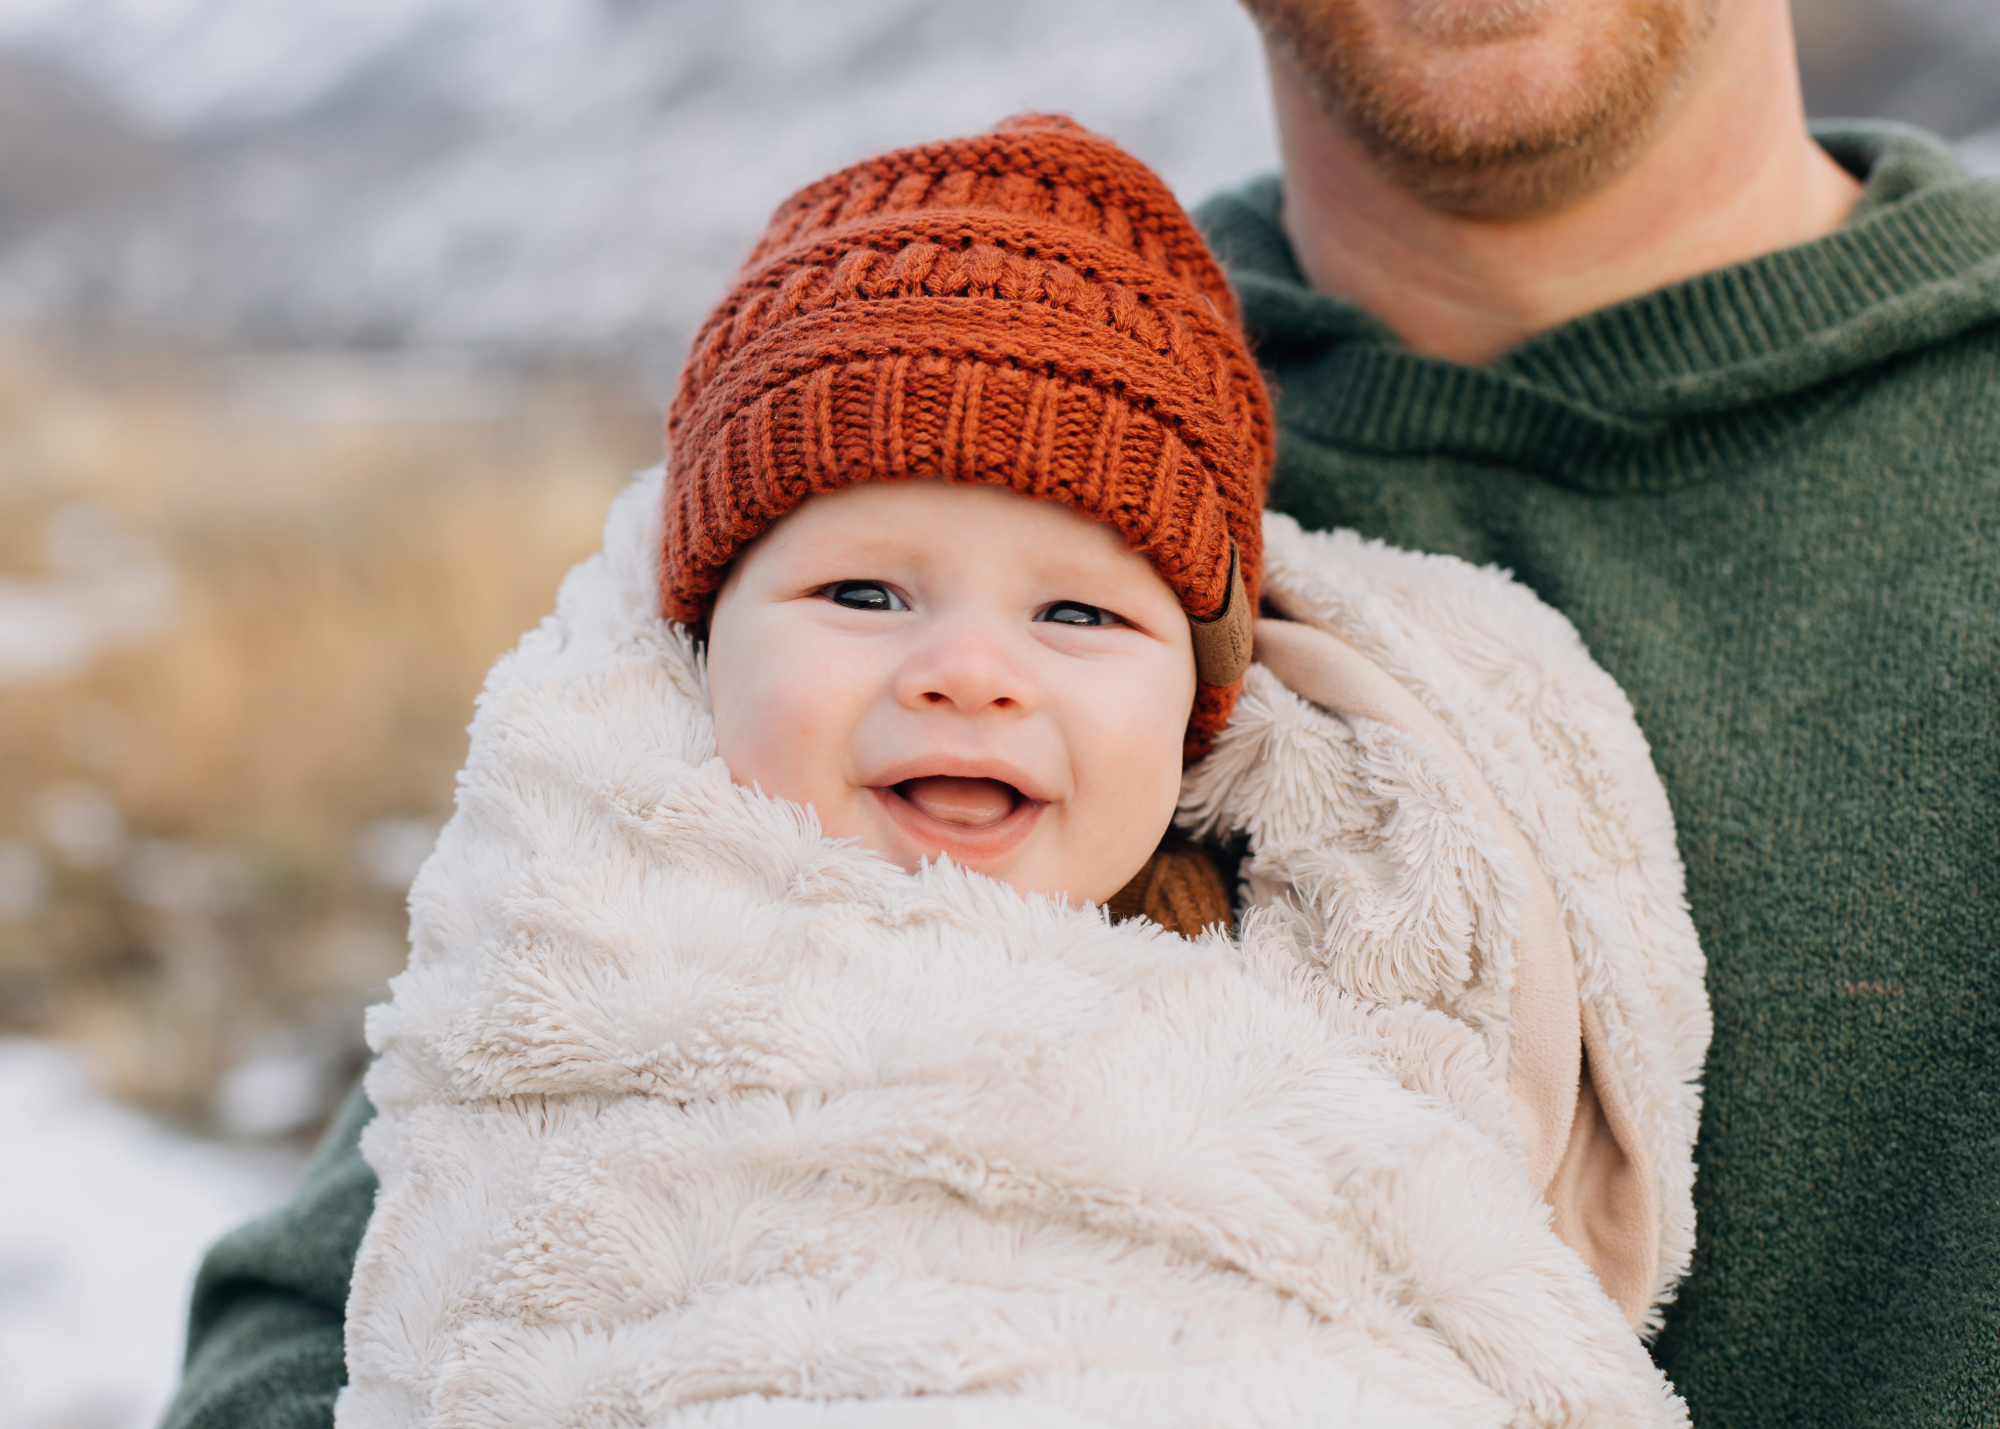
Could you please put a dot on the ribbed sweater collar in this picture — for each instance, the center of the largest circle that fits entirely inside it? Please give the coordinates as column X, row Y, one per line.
column 1672, row 387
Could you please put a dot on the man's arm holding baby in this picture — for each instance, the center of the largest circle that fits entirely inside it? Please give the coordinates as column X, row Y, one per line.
column 265, row 1331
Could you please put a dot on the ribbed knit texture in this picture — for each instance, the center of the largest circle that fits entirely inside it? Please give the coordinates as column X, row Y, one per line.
column 1769, row 498
column 1180, row 888
column 1028, row 308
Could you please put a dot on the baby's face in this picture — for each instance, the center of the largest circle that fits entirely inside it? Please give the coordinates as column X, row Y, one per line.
column 958, row 670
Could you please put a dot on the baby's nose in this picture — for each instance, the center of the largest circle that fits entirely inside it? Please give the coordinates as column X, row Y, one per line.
column 968, row 671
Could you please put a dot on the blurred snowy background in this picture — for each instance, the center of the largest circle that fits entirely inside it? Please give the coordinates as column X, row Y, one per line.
column 527, row 177
column 327, row 327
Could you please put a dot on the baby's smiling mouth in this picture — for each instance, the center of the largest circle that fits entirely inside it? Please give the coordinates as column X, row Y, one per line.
column 968, row 803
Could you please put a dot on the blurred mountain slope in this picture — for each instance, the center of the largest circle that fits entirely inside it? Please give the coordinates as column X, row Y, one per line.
column 63, row 147
column 538, row 177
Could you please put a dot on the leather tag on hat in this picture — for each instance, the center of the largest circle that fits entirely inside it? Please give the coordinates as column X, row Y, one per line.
column 1222, row 645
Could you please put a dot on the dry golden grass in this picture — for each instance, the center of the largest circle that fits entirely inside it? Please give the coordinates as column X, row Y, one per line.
column 341, row 590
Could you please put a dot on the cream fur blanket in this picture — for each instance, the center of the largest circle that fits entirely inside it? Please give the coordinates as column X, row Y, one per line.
column 692, row 1116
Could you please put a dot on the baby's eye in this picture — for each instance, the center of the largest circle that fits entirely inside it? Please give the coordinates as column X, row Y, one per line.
column 1075, row 612
column 864, row 595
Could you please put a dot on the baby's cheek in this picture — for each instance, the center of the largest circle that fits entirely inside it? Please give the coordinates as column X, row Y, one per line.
column 756, row 719
column 1128, row 760
column 783, row 721
column 767, row 735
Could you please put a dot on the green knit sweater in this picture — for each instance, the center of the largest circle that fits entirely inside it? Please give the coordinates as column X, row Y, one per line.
column 1770, row 500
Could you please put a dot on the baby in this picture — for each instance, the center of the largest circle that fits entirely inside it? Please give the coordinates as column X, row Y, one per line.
column 767, row 1056
column 953, row 578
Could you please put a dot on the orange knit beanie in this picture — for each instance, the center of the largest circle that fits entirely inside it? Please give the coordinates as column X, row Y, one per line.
column 1027, row 308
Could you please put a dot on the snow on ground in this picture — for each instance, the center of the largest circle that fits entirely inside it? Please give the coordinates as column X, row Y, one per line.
column 104, row 1214
column 107, row 588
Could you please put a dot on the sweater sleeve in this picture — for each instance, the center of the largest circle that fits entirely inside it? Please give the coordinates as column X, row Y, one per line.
column 265, row 1331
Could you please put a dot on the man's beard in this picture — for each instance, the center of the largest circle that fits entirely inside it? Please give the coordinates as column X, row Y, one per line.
column 1509, row 154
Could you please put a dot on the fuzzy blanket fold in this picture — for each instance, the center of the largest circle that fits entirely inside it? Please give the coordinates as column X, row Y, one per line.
column 690, row 1115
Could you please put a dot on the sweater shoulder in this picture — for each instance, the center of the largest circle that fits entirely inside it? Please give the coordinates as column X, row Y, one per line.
column 266, row 1322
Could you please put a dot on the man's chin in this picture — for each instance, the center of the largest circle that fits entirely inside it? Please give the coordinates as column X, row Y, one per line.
column 1511, row 176
column 1524, row 125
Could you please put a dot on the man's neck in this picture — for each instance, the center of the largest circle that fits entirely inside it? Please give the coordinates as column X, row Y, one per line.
column 1731, row 174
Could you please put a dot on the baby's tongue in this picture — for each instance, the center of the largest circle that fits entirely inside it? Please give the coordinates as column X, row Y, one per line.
column 972, row 802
